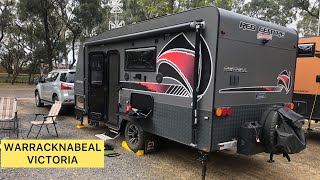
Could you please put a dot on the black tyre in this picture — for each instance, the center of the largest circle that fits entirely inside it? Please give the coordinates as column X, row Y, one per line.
column 269, row 121
column 270, row 130
column 134, row 136
column 38, row 100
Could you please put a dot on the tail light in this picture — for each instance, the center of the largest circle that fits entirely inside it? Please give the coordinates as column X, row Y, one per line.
column 223, row 111
column 229, row 111
column 289, row 105
column 65, row 86
column 218, row 112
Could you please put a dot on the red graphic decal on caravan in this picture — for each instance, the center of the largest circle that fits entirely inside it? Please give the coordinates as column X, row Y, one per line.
column 284, row 82
column 176, row 62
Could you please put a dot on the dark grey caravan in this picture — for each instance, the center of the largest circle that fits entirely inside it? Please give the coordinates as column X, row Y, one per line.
column 207, row 78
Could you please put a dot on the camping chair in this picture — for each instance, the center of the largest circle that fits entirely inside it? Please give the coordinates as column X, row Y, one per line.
column 47, row 119
column 8, row 114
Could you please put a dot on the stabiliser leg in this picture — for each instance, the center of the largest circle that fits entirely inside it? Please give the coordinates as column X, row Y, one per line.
column 271, row 158
column 203, row 156
column 287, row 156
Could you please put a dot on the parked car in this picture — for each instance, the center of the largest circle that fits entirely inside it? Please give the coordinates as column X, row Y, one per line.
column 57, row 86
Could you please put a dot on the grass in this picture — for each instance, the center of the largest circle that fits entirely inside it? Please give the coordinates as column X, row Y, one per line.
column 21, row 79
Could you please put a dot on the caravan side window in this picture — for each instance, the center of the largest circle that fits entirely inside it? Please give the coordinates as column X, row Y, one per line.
column 306, row 50
column 96, row 67
column 140, row 59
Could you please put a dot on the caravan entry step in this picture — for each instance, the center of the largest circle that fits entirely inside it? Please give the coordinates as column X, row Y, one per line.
column 108, row 135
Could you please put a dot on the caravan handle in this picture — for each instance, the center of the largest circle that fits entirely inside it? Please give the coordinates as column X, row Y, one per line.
column 96, row 83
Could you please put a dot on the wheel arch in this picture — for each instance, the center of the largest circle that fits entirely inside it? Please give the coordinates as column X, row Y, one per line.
column 37, row 91
column 54, row 95
column 122, row 126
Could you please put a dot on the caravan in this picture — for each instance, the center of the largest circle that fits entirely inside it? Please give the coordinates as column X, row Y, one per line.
column 203, row 78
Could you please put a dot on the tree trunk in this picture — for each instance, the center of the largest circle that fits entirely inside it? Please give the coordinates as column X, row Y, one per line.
column 171, row 6
column 2, row 33
column 73, row 51
column 74, row 38
column 29, row 79
column 45, row 5
column 65, row 50
column 16, row 73
column 14, row 78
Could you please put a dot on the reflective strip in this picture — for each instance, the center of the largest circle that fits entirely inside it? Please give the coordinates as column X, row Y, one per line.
column 227, row 145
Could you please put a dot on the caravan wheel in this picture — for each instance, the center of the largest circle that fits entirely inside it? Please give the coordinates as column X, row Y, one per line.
column 134, row 136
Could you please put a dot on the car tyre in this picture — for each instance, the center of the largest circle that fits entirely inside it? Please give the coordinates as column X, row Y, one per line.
column 134, row 136
column 38, row 100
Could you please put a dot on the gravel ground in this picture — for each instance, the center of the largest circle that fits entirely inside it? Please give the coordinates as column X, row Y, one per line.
column 171, row 161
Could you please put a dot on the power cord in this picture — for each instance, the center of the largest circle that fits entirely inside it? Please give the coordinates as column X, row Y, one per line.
column 314, row 103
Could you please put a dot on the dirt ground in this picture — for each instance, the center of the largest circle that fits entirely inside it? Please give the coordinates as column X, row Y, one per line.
column 18, row 91
column 171, row 161
column 20, row 87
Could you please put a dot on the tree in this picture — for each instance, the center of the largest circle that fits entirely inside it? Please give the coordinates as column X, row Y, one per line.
column 309, row 11
column 14, row 56
column 228, row 4
column 270, row 10
column 306, row 6
column 88, row 14
column 308, row 25
column 133, row 12
column 6, row 16
column 153, row 8
column 137, row 10
column 288, row 11
column 32, row 68
column 44, row 13
column 35, row 52
column 67, row 12
column 6, row 60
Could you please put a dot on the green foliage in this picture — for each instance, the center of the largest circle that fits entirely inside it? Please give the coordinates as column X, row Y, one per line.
column 308, row 25
column 308, row 13
column 6, row 16
column 270, row 10
column 133, row 12
column 88, row 15
column 225, row 4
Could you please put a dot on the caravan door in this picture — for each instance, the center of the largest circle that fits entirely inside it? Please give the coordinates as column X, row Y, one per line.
column 103, row 86
column 96, row 89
